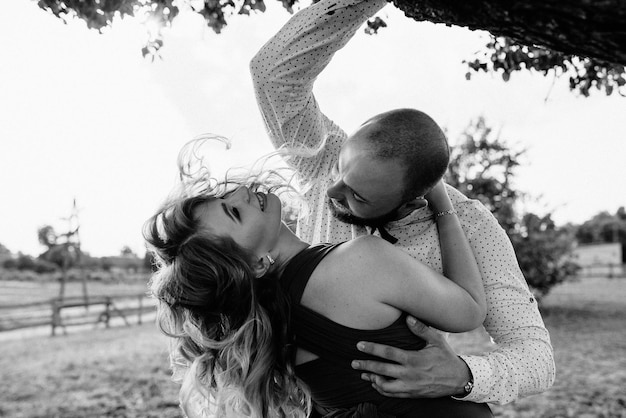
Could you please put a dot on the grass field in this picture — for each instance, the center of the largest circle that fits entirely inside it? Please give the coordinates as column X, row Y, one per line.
column 123, row 372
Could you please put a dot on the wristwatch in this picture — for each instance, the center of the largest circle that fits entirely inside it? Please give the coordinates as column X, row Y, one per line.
column 469, row 385
column 467, row 389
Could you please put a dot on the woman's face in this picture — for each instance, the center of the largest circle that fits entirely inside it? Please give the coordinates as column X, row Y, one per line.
column 252, row 220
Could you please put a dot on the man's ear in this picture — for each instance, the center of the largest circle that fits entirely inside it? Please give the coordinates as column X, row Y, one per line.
column 261, row 266
column 412, row 205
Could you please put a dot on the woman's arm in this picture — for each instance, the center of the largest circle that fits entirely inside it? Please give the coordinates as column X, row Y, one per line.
column 378, row 271
column 457, row 257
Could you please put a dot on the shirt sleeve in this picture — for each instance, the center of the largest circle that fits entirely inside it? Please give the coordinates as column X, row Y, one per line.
column 523, row 362
column 283, row 73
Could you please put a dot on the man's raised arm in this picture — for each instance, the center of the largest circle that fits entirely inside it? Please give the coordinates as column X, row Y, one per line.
column 285, row 68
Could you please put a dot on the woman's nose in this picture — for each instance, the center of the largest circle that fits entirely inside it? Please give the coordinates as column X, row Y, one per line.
column 242, row 193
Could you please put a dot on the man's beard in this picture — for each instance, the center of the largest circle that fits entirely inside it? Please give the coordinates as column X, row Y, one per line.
column 349, row 218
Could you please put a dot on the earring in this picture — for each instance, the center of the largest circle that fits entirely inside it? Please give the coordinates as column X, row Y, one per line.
column 270, row 259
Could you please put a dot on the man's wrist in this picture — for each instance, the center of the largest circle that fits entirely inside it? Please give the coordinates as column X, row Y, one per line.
column 466, row 383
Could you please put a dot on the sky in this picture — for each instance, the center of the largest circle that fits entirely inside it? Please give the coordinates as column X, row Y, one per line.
column 83, row 116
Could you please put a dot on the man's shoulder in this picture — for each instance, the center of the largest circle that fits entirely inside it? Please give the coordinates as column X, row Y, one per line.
column 461, row 200
column 469, row 208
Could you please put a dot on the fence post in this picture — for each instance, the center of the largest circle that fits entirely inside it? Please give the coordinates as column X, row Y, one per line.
column 107, row 311
column 140, row 311
column 55, row 315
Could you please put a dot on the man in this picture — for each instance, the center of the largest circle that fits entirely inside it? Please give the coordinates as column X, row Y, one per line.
column 375, row 180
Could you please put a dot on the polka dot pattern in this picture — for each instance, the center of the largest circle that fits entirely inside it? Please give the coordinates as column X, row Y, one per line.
column 283, row 73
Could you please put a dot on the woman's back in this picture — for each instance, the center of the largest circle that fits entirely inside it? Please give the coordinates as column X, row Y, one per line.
column 333, row 383
column 347, row 291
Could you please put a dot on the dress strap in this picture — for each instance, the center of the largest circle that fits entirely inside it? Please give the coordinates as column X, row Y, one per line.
column 300, row 268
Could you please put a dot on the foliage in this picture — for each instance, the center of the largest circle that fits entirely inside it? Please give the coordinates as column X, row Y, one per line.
column 124, row 263
column 482, row 167
column 503, row 55
column 25, row 262
column 543, row 252
column 64, row 254
column 47, row 236
column 500, row 54
column 126, row 251
column 374, row 24
column 4, row 250
column 604, row 227
column 5, row 254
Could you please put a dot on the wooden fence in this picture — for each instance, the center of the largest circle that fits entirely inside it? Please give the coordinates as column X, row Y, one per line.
column 71, row 311
column 603, row 270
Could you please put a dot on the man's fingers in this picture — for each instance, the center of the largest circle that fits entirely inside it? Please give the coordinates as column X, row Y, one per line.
column 383, row 351
column 422, row 330
column 383, row 384
column 391, row 395
column 377, row 367
column 387, row 387
column 388, row 394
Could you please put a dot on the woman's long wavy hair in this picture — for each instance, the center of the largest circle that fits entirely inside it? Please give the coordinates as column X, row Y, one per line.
column 229, row 328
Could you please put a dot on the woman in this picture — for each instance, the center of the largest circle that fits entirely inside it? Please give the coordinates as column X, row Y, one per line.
column 235, row 285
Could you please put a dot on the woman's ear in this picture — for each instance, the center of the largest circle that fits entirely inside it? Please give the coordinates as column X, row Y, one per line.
column 262, row 265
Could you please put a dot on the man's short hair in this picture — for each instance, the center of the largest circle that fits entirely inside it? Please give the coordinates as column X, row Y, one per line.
column 415, row 139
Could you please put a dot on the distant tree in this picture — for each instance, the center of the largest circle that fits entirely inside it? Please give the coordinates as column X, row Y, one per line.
column 107, row 264
column 126, row 251
column 544, row 252
column 10, row 263
column 63, row 249
column 527, row 35
column 5, row 254
column 4, row 250
column 483, row 167
column 47, row 236
column 58, row 251
column 24, row 262
column 89, row 262
column 604, row 228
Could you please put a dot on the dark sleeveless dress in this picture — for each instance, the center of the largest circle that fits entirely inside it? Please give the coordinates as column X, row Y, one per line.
column 337, row 389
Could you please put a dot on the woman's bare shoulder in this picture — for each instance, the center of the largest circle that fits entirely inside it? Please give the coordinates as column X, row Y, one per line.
column 365, row 243
column 364, row 254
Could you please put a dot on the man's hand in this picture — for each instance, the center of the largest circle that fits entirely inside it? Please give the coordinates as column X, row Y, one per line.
column 431, row 372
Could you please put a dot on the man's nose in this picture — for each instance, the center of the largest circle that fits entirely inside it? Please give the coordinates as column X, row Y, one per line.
column 334, row 191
